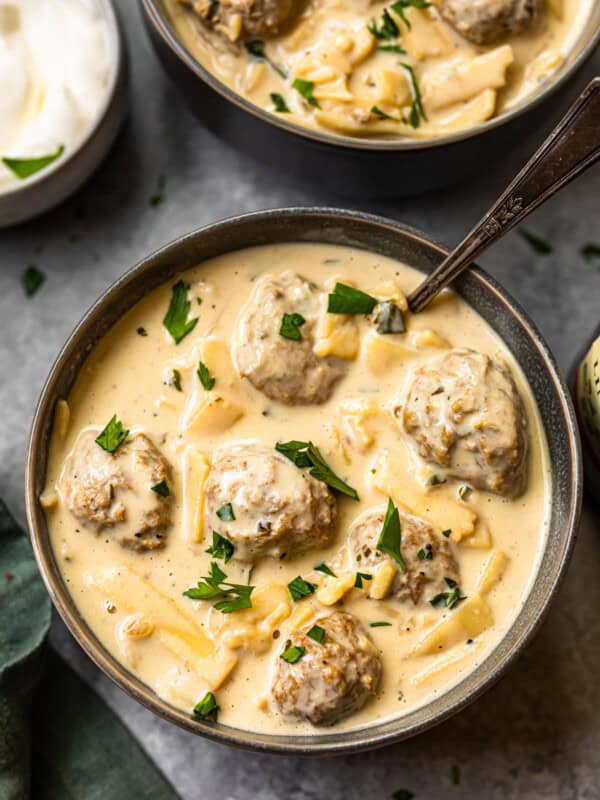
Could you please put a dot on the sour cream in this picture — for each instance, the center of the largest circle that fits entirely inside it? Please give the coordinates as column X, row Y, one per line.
column 54, row 71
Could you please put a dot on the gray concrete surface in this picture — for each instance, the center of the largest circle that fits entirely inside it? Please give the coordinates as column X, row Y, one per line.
column 537, row 734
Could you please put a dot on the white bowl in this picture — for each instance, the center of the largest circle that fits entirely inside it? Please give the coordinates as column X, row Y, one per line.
column 50, row 186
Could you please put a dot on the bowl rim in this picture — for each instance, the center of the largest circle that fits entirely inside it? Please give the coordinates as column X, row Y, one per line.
column 110, row 19
column 365, row 738
column 160, row 25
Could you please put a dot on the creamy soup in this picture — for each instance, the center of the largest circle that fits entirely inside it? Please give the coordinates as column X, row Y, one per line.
column 371, row 69
column 224, row 561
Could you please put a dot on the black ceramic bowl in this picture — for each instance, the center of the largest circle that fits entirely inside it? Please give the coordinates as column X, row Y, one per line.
column 379, row 236
column 341, row 164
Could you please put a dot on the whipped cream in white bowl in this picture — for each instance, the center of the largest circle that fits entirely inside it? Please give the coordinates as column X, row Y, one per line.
column 62, row 99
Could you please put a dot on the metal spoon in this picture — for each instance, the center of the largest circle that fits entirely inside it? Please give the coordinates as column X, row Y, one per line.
column 572, row 147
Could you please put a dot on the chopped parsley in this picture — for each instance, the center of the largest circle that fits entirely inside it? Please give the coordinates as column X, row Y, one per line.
column 455, row 775
column 439, row 390
column 385, row 29
column 381, row 624
column 403, row 794
column 158, row 198
column 32, row 279
column 377, row 112
column 400, row 6
column 225, row 513
column 113, row 435
column 299, row 588
column 540, row 246
column 391, row 535
column 25, row 167
column 176, row 380
column 391, row 48
column 141, row 331
column 417, row 112
column 389, row 318
column 161, row 488
column 317, row 633
column 447, row 533
column 448, row 599
column 306, row 454
column 590, row 251
column 347, row 300
column 207, row 708
column 305, row 88
column 256, row 48
column 292, row 653
column 231, row 596
column 435, row 480
column 290, row 327
column 360, row 577
column 425, row 553
column 281, row 107
column 176, row 319
column 322, row 567
column 221, row 547
column 206, row 379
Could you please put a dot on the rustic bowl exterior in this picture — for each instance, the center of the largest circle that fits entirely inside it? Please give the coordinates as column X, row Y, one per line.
column 389, row 239
column 342, row 165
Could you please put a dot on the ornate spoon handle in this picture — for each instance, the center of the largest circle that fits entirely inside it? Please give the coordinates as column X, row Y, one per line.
column 572, row 147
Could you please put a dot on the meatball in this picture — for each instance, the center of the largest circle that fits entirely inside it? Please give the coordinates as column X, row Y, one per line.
column 114, row 490
column 265, row 505
column 425, row 575
column 284, row 369
column 483, row 21
column 331, row 679
column 239, row 19
column 465, row 414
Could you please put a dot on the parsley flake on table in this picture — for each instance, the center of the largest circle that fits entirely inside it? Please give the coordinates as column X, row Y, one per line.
column 113, row 435
column 538, row 244
column 176, row 319
column 32, row 278
column 305, row 454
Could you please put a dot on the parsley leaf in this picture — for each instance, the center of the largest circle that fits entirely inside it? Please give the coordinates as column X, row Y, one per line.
column 290, row 327
column 256, row 48
column 305, row 454
column 403, row 794
column 448, row 599
column 447, row 533
column 225, row 513
column 207, row 708
column 347, row 300
column 400, row 6
column 25, row 167
column 377, row 112
column 322, row 567
column 386, row 29
column 317, row 633
column 539, row 245
column 231, row 596
column 590, row 251
column 305, row 88
column 113, row 435
column 391, row 536
column 381, row 624
column 292, row 654
column 176, row 319
column 206, row 379
column 221, row 547
column 389, row 318
column 176, row 380
column 281, row 107
column 417, row 112
column 425, row 553
column 391, row 48
column 161, row 488
column 360, row 577
column 299, row 588
column 32, row 279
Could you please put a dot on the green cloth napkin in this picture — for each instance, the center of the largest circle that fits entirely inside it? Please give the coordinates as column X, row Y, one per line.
column 58, row 739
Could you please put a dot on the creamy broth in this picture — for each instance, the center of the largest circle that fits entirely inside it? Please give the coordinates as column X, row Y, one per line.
column 181, row 648
column 357, row 88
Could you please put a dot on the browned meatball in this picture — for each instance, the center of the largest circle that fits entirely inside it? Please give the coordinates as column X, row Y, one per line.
column 483, row 21
column 425, row 575
column 285, row 370
column 465, row 414
column 114, row 490
column 278, row 509
column 332, row 679
column 239, row 19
